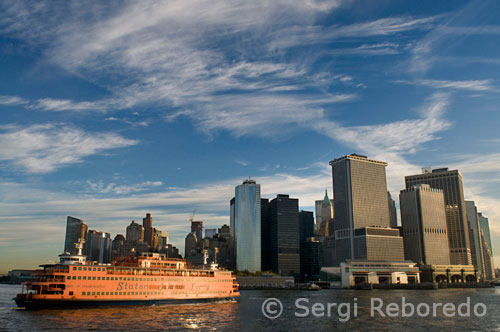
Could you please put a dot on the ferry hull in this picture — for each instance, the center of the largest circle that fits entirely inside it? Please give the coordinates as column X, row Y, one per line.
column 34, row 304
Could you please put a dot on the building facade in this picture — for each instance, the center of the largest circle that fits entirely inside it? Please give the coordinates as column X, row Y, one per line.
column 393, row 216
column 324, row 214
column 360, row 196
column 284, row 234
column 476, row 246
column 76, row 230
column 245, row 217
column 456, row 218
column 423, row 221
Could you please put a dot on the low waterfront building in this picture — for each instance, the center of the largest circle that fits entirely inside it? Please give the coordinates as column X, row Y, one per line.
column 449, row 273
column 355, row 271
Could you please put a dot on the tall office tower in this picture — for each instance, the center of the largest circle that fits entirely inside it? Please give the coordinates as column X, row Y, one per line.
column 162, row 238
column 324, row 213
column 116, row 245
column 456, row 219
column 361, row 206
column 423, row 220
column 246, row 226
column 310, row 259
column 197, row 228
column 265, row 235
column 135, row 233
column 489, row 264
column 76, row 230
column 224, row 234
column 284, row 235
column 306, row 225
column 191, row 251
column 476, row 247
column 147, row 223
column 393, row 217
column 485, row 227
column 98, row 246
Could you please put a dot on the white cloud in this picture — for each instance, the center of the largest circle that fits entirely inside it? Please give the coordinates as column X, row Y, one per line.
column 44, row 148
column 12, row 100
column 123, row 189
column 470, row 85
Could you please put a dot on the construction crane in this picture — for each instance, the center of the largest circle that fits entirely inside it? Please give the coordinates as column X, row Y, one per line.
column 192, row 216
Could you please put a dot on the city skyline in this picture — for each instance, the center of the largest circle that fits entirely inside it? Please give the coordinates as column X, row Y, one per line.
column 112, row 111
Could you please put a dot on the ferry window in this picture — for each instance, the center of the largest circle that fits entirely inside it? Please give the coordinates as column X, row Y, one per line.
column 79, row 268
column 107, row 278
column 79, row 278
column 93, row 278
column 93, row 293
column 84, row 269
column 74, row 268
column 98, row 278
column 94, row 269
column 83, row 293
column 84, row 277
column 107, row 293
column 128, row 293
column 71, row 293
column 98, row 293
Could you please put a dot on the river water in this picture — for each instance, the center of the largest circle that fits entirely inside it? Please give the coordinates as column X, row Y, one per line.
column 246, row 315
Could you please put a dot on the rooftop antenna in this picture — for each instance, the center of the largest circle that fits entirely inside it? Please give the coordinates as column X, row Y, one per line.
column 192, row 216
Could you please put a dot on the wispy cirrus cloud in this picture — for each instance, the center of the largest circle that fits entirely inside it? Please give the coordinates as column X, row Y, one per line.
column 470, row 85
column 12, row 100
column 45, row 148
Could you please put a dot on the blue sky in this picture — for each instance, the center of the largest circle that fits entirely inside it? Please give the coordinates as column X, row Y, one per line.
column 109, row 111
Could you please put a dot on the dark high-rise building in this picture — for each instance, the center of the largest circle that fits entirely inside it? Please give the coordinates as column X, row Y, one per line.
column 98, row 246
column 423, row 221
column 284, row 234
column 393, row 217
column 197, row 229
column 306, row 225
column 135, row 233
column 310, row 259
column 116, row 245
column 265, row 232
column 76, row 231
column 476, row 248
column 456, row 219
column 361, row 206
column 147, row 223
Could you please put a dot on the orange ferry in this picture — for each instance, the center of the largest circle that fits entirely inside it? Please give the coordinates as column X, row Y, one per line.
column 151, row 278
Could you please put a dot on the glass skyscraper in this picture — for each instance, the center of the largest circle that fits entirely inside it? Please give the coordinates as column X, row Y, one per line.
column 245, row 217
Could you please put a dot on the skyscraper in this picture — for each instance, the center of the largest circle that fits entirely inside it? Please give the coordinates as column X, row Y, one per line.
column 489, row 265
column 135, row 233
column 324, row 214
column 361, row 206
column 423, row 220
column 284, row 234
column 245, row 215
column 76, row 231
column 306, row 225
column 476, row 247
column 197, row 228
column 456, row 219
column 393, row 217
column 98, row 246
column 147, row 223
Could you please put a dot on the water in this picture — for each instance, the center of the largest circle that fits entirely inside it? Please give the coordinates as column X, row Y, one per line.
column 246, row 315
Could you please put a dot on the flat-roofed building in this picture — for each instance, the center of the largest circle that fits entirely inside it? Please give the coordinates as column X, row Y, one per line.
column 423, row 221
column 450, row 181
